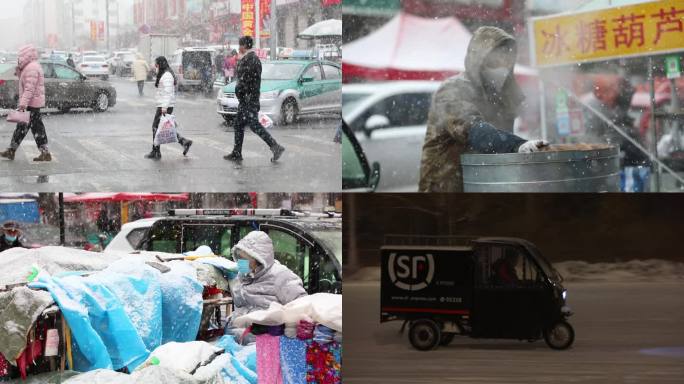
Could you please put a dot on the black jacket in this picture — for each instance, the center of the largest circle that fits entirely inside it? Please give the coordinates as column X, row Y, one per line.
column 4, row 244
column 70, row 62
column 248, row 85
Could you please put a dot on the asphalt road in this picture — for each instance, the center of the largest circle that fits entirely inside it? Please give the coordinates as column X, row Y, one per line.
column 104, row 151
column 625, row 333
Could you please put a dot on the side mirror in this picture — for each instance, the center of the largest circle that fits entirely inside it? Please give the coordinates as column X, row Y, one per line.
column 307, row 79
column 375, row 122
column 374, row 177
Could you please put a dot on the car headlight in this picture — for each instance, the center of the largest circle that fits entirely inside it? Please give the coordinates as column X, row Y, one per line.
column 565, row 294
column 270, row 95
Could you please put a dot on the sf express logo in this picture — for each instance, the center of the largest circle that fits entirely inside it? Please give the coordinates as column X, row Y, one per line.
column 411, row 273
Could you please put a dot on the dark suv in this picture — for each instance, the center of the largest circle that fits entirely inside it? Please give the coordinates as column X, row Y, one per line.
column 308, row 245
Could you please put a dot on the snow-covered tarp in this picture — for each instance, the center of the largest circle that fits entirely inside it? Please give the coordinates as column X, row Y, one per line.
column 17, row 262
column 118, row 315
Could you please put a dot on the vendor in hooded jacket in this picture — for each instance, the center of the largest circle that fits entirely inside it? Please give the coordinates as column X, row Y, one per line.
column 10, row 236
column 261, row 280
column 473, row 112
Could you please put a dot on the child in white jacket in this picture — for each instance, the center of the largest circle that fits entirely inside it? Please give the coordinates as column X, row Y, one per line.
column 166, row 100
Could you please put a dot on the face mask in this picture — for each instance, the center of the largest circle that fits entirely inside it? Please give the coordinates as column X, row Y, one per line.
column 243, row 266
column 496, row 77
column 10, row 239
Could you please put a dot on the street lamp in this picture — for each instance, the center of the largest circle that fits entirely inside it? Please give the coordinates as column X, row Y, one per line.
column 107, row 21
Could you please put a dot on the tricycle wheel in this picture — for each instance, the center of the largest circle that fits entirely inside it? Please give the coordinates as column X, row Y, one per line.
column 424, row 334
column 560, row 335
column 446, row 339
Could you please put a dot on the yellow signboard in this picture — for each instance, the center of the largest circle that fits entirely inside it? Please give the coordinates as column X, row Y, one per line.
column 636, row 30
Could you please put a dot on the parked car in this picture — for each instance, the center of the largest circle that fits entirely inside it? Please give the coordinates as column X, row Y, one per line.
column 188, row 64
column 95, row 66
column 65, row 88
column 389, row 120
column 291, row 88
column 310, row 246
column 114, row 60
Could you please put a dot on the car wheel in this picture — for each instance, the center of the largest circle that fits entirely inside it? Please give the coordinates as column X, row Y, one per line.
column 559, row 336
column 424, row 335
column 105, row 77
column 101, row 102
column 228, row 119
column 288, row 113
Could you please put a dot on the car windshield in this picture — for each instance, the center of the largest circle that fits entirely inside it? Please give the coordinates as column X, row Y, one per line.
column 548, row 269
column 332, row 240
column 94, row 59
column 351, row 100
column 273, row 71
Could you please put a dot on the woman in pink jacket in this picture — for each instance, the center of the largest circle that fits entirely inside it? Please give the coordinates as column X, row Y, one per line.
column 31, row 98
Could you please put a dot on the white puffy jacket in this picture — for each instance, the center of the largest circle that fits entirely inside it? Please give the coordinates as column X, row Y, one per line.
column 272, row 283
column 166, row 91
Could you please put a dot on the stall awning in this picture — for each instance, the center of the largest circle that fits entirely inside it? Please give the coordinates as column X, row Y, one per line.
column 410, row 47
column 97, row 197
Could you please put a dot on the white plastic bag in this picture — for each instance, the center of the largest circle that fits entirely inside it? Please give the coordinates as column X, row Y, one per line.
column 166, row 132
column 265, row 121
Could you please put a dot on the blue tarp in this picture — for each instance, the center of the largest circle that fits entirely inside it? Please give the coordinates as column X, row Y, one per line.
column 243, row 360
column 118, row 315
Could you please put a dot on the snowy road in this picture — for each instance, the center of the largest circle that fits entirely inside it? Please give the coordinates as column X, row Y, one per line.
column 625, row 333
column 104, row 152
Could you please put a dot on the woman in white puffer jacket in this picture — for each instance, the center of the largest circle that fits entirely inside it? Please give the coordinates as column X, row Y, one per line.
column 166, row 100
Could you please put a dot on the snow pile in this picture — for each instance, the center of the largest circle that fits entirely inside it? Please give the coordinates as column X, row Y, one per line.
column 633, row 270
column 582, row 271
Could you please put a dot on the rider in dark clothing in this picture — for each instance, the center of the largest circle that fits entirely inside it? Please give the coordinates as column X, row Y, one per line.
column 10, row 236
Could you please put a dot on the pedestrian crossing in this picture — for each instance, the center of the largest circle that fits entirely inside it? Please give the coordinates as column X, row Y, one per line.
column 73, row 154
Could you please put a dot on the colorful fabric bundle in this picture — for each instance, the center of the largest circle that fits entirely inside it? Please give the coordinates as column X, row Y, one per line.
column 273, row 330
column 323, row 363
column 323, row 334
column 305, row 330
column 293, row 360
column 268, row 365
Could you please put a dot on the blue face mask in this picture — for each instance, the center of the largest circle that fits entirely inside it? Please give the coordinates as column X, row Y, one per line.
column 10, row 239
column 243, row 266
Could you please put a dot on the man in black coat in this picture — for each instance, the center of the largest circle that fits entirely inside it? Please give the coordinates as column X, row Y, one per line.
column 70, row 62
column 247, row 91
column 10, row 236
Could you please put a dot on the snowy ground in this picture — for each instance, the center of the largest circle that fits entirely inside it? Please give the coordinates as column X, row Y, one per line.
column 626, row 332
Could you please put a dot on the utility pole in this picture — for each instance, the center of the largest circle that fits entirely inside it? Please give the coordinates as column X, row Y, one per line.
column 257, row 24
column 107, row 21
column 73, row 25
column 274, row 31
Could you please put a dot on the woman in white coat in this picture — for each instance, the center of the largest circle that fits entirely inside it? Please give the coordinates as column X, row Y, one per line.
column 166, row 100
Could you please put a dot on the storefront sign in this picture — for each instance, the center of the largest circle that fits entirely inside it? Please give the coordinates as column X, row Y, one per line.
column 637, row 30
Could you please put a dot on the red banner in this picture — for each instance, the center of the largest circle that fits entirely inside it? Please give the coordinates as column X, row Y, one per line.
column 93, row 30
column 329, row 3
column 265, row 17
column 247, row 13
column 100, row 30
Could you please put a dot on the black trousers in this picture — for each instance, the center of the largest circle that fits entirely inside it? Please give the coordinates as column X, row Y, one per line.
column 155, row 124
column 141, row 84
column 247, row 117
column 36, row 127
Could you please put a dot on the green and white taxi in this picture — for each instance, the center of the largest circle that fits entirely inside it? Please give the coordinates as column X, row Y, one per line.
column 291, row 88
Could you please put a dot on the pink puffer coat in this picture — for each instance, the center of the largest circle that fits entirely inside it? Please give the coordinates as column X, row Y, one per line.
column 31, row 78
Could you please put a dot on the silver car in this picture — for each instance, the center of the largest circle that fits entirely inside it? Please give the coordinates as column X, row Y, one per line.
column 389, row 120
